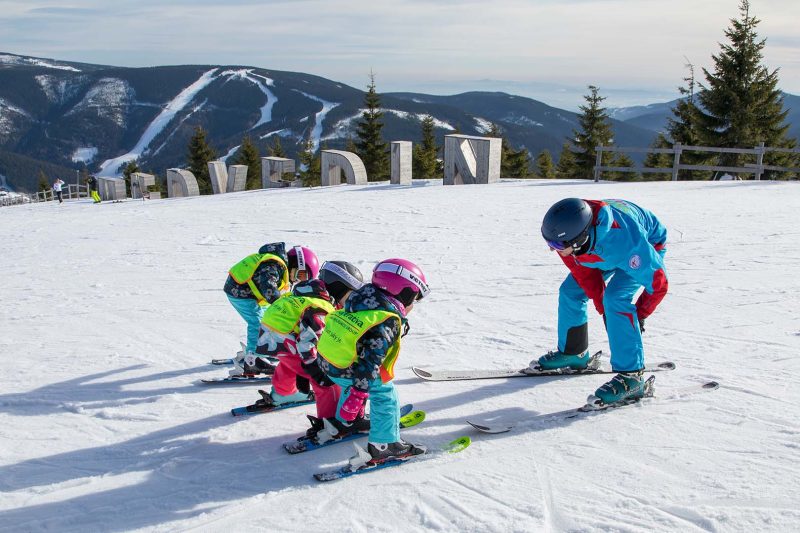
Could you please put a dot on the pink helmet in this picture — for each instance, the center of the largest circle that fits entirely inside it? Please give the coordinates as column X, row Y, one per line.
column 402, row 279
column 303, row 258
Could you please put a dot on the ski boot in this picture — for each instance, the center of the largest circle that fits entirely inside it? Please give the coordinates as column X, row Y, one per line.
column 556, row 360
column 273, row 399
column 327, row 429
column 625, row 387
column 250, row 364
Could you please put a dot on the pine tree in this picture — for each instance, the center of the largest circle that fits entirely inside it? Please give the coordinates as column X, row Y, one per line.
column 276, row 150
column 309, row 164
column 200, row 153
column 682, row 128
column 44, row 181
column 655, row 160
column 742, row 106
column 425, row 160
column 248, row 155
column 130, row 167
column 350, row 146
column 372, row 150
column 622, row 160
column 595, row 131
column 544, row 165
column 566, row 163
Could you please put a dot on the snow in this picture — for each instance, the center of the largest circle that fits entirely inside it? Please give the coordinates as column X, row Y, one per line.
column 343, row 126
column 106, row 330
column 249, row 75
column 84, row 155
column 319, row 117
column 110, row 167
column 31, row 61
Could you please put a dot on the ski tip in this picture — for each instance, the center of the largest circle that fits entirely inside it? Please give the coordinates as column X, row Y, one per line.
column 457, row 445
column 711, row 385
column 407, row 408
column 487, row 429
column 412, row 419
column 421, row 373
column 667, row 365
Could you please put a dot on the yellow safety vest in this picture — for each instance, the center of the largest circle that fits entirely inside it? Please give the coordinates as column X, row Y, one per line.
column 342, row 332
column 242, row 273
column 284, row 315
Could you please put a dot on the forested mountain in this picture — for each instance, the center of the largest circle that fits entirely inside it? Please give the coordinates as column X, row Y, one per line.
column 74, row 114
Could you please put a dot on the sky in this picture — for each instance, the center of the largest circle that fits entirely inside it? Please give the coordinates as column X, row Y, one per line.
column 634, row 50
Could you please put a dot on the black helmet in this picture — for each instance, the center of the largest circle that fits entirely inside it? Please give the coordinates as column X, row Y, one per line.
column 340, row 277
column 567, row 224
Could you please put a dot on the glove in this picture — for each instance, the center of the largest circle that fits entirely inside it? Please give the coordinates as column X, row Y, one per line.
column 302, row 384
column 641, row 325
column 316, row 373
column 353, row 404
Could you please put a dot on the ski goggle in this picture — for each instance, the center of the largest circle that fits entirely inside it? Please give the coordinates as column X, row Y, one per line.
column 557, row 245
column 406, row 274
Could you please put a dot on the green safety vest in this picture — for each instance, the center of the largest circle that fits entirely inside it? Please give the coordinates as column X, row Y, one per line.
column 242, row 273
column 284, row 315
column 342, row 333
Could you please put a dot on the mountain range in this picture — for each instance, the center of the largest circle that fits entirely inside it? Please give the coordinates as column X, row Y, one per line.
column 60, row 116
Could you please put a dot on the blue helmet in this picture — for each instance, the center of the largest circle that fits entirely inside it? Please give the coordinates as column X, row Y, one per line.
column 567, row 223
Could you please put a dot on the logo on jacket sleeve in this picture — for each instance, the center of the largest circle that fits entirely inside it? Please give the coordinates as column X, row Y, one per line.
column 635, row 262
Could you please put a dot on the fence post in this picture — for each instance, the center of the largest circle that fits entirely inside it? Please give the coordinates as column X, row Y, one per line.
column 676, row 161
column 597, row 162
column 760, row 161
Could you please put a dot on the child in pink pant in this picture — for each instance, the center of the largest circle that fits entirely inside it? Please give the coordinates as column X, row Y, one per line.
column 291, row 328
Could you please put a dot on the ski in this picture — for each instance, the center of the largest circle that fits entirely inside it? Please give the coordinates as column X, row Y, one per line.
column 229, row 380
column 222, row 361
column 258, row 408
column 458, row 445
column 408, row 418
column 458, row 375
column 591, row 409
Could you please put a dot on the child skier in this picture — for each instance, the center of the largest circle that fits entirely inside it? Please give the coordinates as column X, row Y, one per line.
column 358, row 350
column 258, row 280
column 617, row 242
column 291, row 328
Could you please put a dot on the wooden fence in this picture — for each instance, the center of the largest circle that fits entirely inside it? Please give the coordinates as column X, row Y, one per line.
column 756, row 168
column 69, row 192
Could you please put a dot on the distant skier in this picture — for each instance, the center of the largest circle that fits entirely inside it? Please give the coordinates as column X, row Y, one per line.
column 291, row 328
column 358, row 350
column 91, row 182
column 57, row 189
column 621, row 244
column 258, row 280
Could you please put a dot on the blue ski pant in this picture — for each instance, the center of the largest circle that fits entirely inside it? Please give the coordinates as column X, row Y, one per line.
column 251, row 312
column 384, row 409
column 622, row 322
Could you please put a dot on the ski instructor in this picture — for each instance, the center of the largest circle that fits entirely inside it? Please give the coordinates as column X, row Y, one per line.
column 612, row 249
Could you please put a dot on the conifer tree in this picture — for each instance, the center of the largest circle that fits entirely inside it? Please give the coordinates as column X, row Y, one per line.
column 655, row 160
column 350, row 146
column 544, row 165
column 309, row 164
column 425, row 160
column 372, row 150
column 622, row 160
column 682, row 128
column 276, row 150
column 741, row 106
column 565, row 169
column 200, row 153
column 129, row 168
column 44, row 181
column 248, row 155
column 595, row 130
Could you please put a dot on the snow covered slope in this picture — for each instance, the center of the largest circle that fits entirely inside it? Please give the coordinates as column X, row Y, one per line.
column 110, row 313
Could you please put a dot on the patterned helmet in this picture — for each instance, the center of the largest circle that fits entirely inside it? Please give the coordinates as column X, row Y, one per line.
column 312, row 288
column 402, row 279
column 303, row 258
